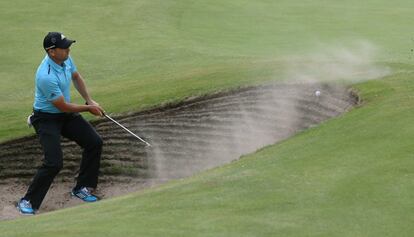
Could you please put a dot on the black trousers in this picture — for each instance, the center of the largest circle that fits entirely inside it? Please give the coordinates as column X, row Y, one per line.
column 49, row 128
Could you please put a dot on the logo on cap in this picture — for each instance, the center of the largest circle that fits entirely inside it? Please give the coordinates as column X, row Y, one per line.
column 56, row 40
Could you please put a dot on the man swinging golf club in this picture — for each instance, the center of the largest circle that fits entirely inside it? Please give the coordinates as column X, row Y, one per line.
column 55, row 116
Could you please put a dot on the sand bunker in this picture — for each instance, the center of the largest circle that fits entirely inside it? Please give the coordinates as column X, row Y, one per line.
column 188, row 137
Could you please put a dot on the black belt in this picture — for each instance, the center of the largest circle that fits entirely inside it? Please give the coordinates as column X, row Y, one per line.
column 41, row 114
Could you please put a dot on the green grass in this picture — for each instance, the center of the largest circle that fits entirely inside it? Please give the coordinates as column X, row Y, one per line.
column 351, row 176
column 138, row 54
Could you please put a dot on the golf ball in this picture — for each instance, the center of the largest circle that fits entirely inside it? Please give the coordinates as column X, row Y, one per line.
column 317, row 93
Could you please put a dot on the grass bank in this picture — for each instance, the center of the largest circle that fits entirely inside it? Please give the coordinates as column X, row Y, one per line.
column 351, row 176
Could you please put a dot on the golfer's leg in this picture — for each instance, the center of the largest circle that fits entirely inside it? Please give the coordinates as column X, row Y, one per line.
column 79, row 130
column 49, row 135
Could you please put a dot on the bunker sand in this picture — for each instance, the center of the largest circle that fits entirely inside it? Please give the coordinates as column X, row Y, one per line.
column 186, row 137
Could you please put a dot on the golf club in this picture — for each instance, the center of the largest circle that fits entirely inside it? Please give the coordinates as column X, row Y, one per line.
column 126, row 129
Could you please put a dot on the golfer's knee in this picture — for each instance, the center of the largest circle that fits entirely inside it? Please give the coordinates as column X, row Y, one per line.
column 96, row 143
column 53, row 161
column 53, row 167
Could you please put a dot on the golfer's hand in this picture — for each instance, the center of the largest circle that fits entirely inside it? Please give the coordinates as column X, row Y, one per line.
column 92, row 102
column 96, row 110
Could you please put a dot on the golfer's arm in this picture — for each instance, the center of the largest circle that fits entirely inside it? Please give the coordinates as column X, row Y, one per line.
column 63, row 106
column 80, row 86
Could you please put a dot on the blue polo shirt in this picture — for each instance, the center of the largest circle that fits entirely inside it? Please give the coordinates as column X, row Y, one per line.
column 52, row 81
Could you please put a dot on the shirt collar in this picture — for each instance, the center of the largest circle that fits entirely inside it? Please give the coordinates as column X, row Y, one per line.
column 54, row 65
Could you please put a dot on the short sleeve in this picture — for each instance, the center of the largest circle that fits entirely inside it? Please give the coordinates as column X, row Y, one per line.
column 49, row 88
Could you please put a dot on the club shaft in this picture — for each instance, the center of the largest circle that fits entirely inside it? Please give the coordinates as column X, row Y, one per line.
column 126, row 129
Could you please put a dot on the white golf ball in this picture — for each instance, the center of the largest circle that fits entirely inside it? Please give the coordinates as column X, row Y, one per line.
column 317, row 93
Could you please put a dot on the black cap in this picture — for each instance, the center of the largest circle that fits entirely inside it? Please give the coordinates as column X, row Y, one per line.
column 56, row 40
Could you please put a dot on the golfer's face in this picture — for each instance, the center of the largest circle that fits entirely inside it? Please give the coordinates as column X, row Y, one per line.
column 61, row 54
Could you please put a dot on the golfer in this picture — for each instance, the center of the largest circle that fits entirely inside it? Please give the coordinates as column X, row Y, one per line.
column 55, row 116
